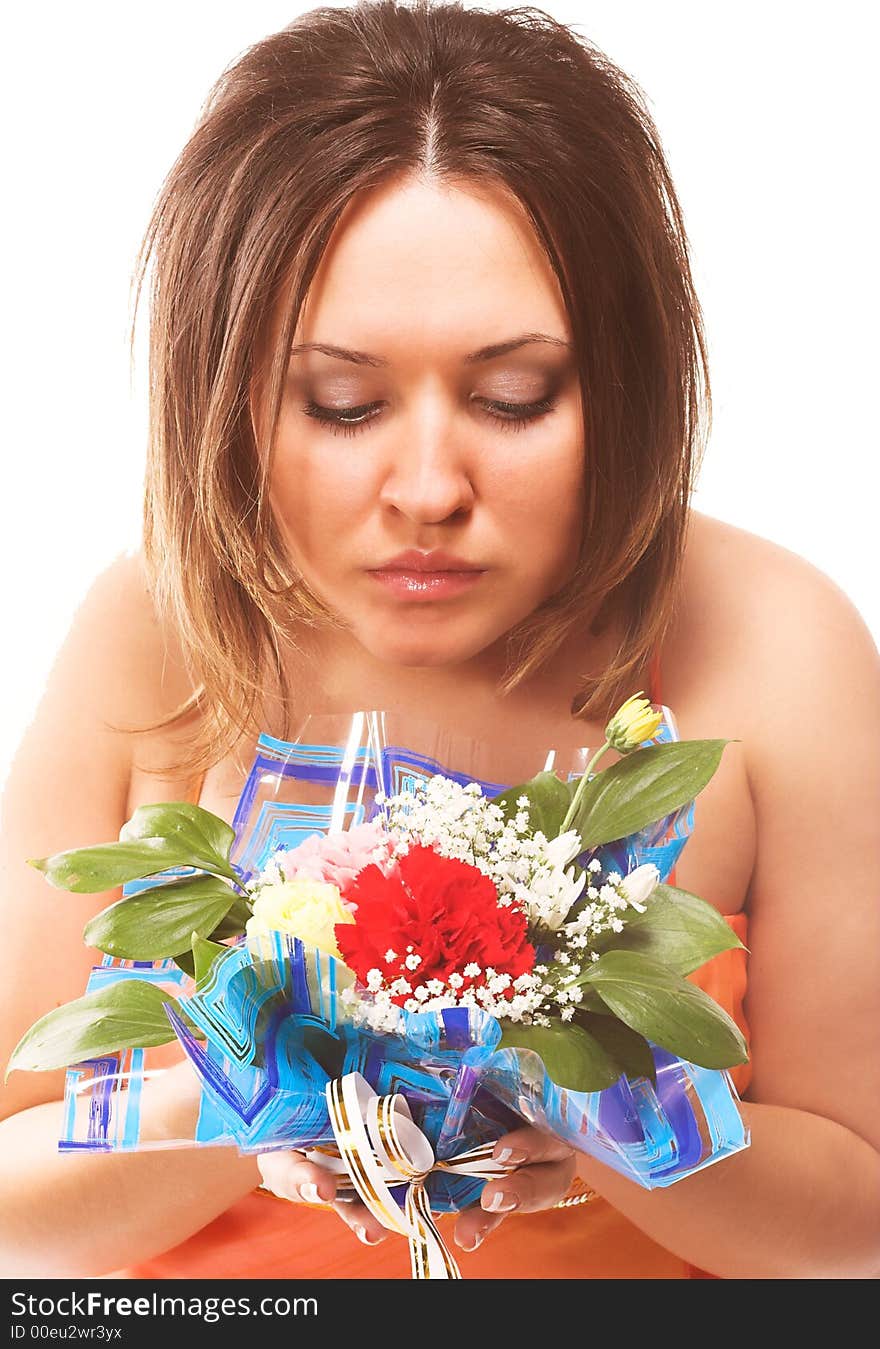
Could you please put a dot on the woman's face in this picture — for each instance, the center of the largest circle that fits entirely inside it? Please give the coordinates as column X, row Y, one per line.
column 439, row 423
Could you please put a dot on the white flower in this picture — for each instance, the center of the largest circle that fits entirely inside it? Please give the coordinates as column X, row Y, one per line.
column 639, row 885
column 564, row 848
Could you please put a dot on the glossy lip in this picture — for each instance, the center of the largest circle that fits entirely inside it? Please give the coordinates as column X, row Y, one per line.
column 426, row 585
column 436, row 561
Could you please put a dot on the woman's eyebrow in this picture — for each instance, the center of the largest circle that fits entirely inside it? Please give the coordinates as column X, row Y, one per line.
column 484, row 354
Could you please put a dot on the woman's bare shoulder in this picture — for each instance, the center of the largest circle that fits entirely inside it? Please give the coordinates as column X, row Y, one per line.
column 118, row 669
column 752, row 610
column 719, row 551
column 137, row 654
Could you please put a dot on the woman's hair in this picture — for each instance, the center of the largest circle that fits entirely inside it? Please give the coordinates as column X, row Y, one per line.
column 337, row 103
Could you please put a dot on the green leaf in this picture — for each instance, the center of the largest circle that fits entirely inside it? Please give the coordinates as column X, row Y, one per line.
column 644, row 787
column 665, row 1008
column 184, row 961
column 549, row 800
column 201, row 836
column 677, row 928
column 623, row 1044
column 573, row 1058
column 123, row 1015
column 170, row 834
column 107, row 865
column 233, row 924
column 160, row 921
column 204, row 954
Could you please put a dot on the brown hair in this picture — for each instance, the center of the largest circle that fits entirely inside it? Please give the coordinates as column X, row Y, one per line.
column 335, row 104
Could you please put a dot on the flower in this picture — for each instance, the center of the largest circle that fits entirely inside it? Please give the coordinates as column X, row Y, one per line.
column 528, row 869
column 632, row 724
column 447, row 911
column 337, row 858
column 303, row 907
column 639, row 885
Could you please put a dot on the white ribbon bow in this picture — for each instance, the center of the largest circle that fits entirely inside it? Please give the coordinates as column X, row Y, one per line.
column 380, row 1145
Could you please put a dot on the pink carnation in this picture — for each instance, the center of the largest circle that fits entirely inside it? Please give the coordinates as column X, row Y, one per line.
column 337, row 858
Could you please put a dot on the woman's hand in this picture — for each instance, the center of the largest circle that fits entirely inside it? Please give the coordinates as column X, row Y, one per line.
column 542, row 1169
column 291, row 1176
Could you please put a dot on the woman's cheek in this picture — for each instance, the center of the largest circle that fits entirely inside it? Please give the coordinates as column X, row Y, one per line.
column 318, row 499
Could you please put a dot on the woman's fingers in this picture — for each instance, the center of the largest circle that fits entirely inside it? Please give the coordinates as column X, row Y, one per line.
column 290, row 1176
column 358, row 1217
column 474, row 1225
column 525, row 1146
column 529, row 1189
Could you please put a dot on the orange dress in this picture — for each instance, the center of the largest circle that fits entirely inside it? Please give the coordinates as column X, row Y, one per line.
column 262, row 1236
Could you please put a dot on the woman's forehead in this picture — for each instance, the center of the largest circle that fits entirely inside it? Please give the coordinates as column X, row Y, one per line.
column 428, row 260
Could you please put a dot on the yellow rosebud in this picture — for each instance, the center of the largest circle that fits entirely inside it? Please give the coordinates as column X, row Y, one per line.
column 305, row 908
column 632, row 724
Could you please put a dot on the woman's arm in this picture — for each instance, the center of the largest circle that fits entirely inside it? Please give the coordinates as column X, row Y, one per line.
column 66, row 1214
column 804, row 1200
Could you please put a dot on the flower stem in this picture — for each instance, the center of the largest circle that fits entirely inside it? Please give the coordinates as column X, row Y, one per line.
column 576, row 799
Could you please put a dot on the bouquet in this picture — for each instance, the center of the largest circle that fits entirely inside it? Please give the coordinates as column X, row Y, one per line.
column 397, row 967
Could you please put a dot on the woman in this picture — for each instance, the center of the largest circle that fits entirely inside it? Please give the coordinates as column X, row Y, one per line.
column 422, row 286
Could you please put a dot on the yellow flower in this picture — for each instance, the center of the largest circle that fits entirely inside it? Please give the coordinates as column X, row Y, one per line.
column 305, row 908
column 632, row 724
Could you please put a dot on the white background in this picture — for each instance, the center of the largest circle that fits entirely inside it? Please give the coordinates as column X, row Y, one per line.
column 767, row 114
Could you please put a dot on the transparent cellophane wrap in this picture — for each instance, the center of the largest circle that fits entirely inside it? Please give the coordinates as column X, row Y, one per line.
column 272, row 1029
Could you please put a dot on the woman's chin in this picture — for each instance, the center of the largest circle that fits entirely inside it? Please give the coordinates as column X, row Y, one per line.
column 399, row 644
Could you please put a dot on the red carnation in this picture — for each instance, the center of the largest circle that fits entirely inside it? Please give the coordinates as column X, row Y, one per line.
column 439, row 908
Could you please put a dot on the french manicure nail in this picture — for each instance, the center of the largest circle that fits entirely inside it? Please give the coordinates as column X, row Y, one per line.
column 362, row 1236
column 477, row 1241
column 510, row 1156
column 501, row 1202
column 310, row 1194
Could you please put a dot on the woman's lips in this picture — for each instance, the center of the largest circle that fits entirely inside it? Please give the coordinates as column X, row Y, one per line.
column 426, row 585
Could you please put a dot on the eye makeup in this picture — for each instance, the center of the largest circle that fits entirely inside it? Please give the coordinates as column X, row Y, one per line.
column 351, row 420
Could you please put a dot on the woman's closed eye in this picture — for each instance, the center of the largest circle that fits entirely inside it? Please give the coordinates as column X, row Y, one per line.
column 350, row 420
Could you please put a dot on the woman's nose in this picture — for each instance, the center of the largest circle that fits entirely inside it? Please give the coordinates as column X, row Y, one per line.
column 428, row 475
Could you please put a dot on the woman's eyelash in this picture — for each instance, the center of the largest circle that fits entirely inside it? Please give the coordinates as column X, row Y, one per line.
column 349, row 421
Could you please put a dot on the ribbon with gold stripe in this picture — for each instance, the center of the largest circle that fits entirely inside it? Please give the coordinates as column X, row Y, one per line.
column 381, row 1145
